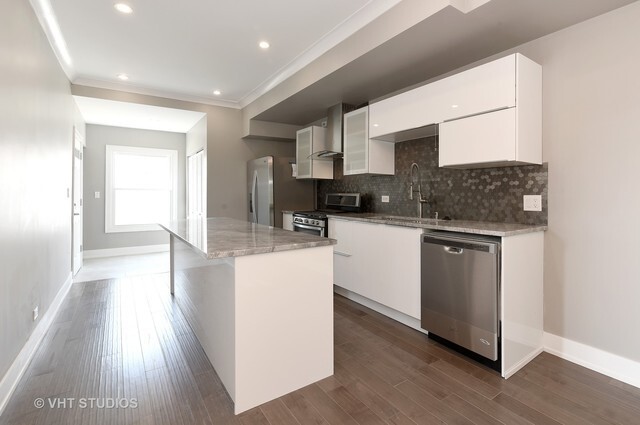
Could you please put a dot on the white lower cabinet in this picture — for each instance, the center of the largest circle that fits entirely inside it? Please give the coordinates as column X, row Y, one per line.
column 379, row 262
column 521, row 300
column 287, row 221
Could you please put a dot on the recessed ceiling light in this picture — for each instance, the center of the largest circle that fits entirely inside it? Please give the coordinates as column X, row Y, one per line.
column 123, row 77
column 376, row 125
column 263, row 45
column 216, row 92
column 123, row 8
column 454, row 106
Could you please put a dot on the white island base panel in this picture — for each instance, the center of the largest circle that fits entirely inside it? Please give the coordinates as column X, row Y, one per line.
column 265, row 321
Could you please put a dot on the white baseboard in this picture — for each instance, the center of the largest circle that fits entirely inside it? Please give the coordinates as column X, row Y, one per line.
column 506, row 374
column 412, row 322
column 128, row 250
column 19, row 365
column 617, row 367
column 601, row 361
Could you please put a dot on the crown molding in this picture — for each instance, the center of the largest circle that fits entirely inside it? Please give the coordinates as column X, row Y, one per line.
column 49, row 24
column 357, row 20
column 112, row 85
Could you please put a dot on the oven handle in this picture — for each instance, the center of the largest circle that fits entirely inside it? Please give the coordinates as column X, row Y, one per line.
column 302, row 226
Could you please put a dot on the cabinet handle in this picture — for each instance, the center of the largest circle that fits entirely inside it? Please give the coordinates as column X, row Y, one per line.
column 342, row 254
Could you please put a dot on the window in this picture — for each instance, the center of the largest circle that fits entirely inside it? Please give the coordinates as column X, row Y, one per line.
column 141, row 188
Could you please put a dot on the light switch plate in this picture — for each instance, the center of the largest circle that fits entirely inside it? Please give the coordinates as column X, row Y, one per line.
column 385, row 198
column 532, row 202
column 97, row 195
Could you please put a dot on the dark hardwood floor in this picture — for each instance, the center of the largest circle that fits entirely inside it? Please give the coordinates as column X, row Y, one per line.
column 124, row 339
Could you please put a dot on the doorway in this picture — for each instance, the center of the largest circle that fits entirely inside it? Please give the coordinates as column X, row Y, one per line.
column 78, row 152
column 195, row 185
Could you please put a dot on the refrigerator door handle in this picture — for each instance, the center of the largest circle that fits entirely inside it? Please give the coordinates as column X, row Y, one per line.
column 252, row 202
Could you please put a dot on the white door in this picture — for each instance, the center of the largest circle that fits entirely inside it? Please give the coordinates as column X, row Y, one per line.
column 195, row 186
column 78, row 146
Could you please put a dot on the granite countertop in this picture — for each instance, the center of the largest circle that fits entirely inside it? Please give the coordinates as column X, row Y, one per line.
column 463, row 226
column 220, row 237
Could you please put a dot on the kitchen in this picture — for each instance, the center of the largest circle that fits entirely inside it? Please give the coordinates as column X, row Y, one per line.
column 586, row 286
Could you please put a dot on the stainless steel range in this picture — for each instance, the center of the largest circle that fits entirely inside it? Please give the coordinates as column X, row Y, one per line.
column 316, row 222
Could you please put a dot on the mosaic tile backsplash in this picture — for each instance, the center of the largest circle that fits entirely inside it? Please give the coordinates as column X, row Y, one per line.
column 485, row 194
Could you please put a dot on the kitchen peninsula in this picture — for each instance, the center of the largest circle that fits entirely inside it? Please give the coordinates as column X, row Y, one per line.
column 259, row 299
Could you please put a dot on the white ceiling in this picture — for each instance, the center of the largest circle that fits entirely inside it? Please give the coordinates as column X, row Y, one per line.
column 134, row 115
column 186, row 50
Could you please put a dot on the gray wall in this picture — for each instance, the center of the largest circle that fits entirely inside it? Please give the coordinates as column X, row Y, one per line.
column 36, row 126
column 98, row 136
column 591, row 94
column 227, row 152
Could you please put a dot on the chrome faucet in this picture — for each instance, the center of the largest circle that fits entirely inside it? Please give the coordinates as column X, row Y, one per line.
column 413, row 179
column 416, row 179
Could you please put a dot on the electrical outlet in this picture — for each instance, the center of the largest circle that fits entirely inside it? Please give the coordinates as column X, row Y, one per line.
column 35, row 313
column 385, row 198
column 532, row 202
column 97, row 195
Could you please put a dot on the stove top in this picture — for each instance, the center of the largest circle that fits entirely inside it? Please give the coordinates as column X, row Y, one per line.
column 321, row 213
column 343, row 202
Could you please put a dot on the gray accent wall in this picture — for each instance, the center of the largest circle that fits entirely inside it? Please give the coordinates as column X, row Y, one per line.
column 36, row 133
column 591, row 105
column 98, row 136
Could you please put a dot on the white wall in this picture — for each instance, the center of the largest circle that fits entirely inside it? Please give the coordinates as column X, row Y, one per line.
column 591, row 132
column 98, row 136
column 197, row 137
column 36, row 131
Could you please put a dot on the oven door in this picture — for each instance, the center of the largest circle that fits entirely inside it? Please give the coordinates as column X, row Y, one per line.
column 311, row 230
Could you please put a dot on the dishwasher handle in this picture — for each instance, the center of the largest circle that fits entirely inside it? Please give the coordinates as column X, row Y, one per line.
column 453, row 250
column 456, row 245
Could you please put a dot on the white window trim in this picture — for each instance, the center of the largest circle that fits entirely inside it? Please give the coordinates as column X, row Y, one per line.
column 109, row 209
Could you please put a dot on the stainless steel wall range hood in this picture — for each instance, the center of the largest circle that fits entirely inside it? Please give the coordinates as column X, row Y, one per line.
column 335, row 118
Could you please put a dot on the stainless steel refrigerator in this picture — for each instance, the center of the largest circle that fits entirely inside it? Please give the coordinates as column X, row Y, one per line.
column 272, row 189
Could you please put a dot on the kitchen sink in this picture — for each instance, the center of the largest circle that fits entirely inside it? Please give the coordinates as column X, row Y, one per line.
column 407, row 219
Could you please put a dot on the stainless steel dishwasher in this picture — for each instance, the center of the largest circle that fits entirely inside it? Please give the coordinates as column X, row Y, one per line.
column 460, row 277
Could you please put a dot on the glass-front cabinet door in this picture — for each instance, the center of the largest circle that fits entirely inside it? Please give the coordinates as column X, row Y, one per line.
column 356, row 141
column 303, row 150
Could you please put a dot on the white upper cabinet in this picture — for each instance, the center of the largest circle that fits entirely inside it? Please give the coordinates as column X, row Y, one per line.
column 309, row 140
column 510, row 82
column 361, row 154
column 488, row 87
column 502, row 135
column 463, row 142
column 403, row 112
